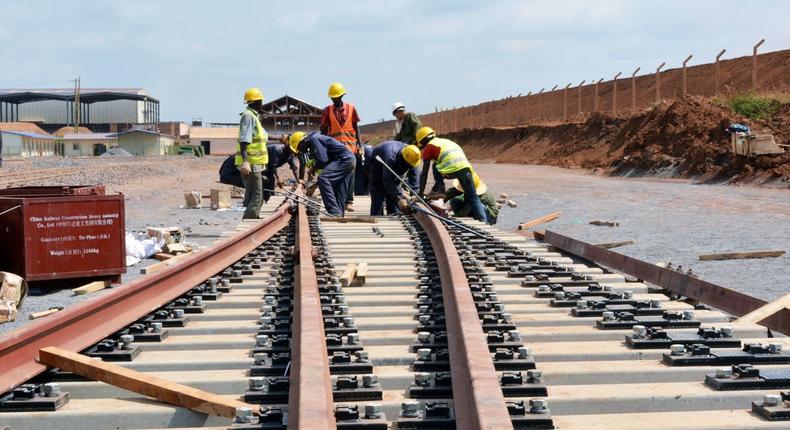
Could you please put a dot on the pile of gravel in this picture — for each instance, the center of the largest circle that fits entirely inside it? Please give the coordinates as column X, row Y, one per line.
column 117, row 152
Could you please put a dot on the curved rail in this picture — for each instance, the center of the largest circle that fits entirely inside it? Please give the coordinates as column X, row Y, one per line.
column 477, row 396
column 88, row 322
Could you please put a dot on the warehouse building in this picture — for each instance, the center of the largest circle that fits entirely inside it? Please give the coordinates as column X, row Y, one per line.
column 27, row 144
column 100, row 109
column 144, row 142
column 215, row 140
column 87, row 144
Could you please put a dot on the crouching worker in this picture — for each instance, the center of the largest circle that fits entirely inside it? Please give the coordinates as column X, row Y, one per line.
column 385, row 188
column 460, row 206
column 333, row 163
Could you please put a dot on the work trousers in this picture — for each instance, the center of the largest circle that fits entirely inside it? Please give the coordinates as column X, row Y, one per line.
column 361, row 181
column 268, row 183
column 438, row 181
column 253, row 192
column 464, row 176
column 335, row 182
column 379, row 198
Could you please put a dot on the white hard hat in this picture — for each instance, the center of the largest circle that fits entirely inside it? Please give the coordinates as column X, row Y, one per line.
column 398, row 106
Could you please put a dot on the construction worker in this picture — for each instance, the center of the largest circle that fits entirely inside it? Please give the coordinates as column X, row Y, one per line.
column 385, row 188
column 340, row 121
column 450, row 162
column 279, row 155
column 460, row 206
column 251, row 156
column 406, row 125
column 333, row 163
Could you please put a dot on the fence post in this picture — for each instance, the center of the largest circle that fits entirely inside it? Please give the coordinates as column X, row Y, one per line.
column 595, row 100
column 614, row 91
column 633, row 88
column 658, row 81
column 754, row 64
column 716, row 73
column 685, row 86
column 579, row 93
column 565, row 103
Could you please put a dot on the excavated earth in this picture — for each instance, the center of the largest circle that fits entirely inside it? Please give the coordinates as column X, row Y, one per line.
column 682, row 139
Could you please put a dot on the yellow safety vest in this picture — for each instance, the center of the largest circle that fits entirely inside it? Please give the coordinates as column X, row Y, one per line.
column 256, row 150
column 451, row 157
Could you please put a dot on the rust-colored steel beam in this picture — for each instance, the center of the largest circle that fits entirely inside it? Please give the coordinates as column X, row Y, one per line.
column 477, row 396
column 728, row 300
column 310, row 402
column 86, row 323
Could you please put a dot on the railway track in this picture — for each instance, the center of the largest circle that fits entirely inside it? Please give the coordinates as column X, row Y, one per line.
column 449, row 330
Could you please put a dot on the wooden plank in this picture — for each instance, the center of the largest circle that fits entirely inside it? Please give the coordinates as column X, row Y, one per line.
column 359, row 219
column 162, row 265
column 541, row 220
column 91, row 287
column 362, row 273
column 41, row 314
column 141, row 383
column 766, row 310
column 740, row 255
column 348, row 275
column 162, row 256
column 611, row 245
column 604, row 223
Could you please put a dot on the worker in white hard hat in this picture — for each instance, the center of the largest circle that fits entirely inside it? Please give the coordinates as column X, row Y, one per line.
column 385, row 188
column 406, row 125
column 251, row 155
column 340, row 122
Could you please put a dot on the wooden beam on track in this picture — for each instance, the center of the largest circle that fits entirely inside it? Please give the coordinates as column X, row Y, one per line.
column 478, row 401
column 141, row 383
column 541, row 220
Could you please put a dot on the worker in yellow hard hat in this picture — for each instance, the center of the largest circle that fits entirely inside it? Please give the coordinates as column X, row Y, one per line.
column 340, row 121
column 450, row 162
column 385, row 188
column 251, row 154
column 460, row 206
column 334, row 164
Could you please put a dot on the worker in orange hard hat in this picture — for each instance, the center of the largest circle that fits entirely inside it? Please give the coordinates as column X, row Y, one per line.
column 340, row 121
column 251, row 155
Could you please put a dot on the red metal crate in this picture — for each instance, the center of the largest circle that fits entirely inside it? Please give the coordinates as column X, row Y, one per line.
column 49, row 190
column 47, row 237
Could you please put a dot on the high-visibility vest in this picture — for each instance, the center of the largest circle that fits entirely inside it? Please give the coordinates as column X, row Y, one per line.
column 343, row 133
column 256, row 150
column 451, row 157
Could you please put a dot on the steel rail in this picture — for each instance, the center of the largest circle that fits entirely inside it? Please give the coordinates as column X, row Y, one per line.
column 731, row 301
column 310, row 401
column 478, row 401
column 88, row 322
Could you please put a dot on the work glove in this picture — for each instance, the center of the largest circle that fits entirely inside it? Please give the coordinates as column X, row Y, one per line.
column 404, row 205
column 280, row 183
column 245, row 169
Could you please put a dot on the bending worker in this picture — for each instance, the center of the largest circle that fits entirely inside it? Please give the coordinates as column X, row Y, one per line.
column 251, row 155
column 460, row 206
column 333, row 162
column 384, row 186
column 279, row 155
column 450, row 162
column 340, row 122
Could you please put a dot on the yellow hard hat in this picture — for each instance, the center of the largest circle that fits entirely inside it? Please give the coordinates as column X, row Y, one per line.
column 294, row 140
column 424, row 132
column 336, row 90
column 252, row 95
column 480, row 186
column 411, row 153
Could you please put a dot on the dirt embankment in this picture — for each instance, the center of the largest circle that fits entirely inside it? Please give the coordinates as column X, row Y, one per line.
column 682, row 139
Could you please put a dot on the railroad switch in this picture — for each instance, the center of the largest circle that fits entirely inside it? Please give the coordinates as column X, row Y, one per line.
column 658, row 338
column 34, row 398
column 668, row 319
column 774, row 407
column 748, row 377
column 120, row 349
column 702, row 355
column 145, row 332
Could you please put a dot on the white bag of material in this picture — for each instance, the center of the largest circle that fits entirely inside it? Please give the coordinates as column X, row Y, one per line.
column 137, row 249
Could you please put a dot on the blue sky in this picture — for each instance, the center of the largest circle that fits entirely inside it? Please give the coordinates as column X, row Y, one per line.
column 198, row 57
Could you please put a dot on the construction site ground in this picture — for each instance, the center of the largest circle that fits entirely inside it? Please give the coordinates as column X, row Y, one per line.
column 670, row 220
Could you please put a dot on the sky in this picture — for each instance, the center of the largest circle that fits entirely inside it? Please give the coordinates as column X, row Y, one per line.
column 198, row 57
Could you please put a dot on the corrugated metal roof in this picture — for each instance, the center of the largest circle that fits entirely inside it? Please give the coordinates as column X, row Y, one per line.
column 70, row 91
column 27, row 134
column 26, row 127
column 88, row 136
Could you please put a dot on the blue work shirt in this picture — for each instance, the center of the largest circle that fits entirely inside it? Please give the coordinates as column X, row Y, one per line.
column 324, row 150
column 390, row 153
column 279, row 155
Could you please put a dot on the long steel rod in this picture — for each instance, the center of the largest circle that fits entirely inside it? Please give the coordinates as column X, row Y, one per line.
column 310, row 402
column 303, row 201
column 478, row 401
column 86, row 323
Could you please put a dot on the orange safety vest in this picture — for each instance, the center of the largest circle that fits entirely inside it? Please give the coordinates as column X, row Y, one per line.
column 343, row 133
